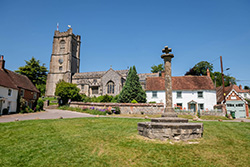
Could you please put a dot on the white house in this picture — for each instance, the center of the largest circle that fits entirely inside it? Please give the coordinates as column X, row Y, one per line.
column 188, row 92
column 8, row 91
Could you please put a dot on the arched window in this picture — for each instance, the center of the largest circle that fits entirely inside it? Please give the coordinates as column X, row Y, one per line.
column 110, row 87
column 62, row 46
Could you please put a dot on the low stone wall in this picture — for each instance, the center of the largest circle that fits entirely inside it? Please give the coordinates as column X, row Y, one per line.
column 214, row 113
column 125, row 108
column 142, row 108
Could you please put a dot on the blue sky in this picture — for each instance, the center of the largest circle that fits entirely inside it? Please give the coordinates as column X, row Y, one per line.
column 124, row 33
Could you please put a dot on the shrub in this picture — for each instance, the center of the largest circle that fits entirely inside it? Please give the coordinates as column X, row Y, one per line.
column 117, row 110
column 39, row 105
column 152, row 102
column 134, row 101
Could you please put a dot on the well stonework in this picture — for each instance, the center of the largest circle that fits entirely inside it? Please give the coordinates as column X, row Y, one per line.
column 172, row 131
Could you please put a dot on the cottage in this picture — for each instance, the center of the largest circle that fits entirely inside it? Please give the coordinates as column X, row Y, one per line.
column 236, row 105
column 12, row 85
column 189, row 92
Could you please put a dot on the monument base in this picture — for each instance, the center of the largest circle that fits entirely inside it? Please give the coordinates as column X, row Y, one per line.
column 169, row 112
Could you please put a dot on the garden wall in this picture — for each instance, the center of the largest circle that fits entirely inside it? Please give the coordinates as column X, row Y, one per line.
column 142, row 108
column 125, row 108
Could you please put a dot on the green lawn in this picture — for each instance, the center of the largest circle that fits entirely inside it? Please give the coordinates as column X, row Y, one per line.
column 114, row 142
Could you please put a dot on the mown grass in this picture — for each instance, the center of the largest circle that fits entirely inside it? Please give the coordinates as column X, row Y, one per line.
column 114, row 142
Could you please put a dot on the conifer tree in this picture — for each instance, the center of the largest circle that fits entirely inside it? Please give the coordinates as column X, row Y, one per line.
column 132, row 89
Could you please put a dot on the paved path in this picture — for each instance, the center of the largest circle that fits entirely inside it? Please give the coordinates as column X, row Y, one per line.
column 48, row 114
column 56, row 114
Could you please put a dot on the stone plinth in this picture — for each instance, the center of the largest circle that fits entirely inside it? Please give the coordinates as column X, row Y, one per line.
column 172, row 131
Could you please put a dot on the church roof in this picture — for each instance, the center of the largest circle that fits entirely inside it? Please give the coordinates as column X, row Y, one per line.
column 98, row 74
column 181, row 83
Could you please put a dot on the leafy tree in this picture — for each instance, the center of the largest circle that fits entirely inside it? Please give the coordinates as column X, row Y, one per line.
column 67, row 91
column 35, row 72
column 155, row 68
column 246, row 87
column 227, row 79
column 132, row 89
column 200, row 68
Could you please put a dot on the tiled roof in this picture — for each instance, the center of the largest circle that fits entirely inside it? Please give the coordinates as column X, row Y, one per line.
column 21, row 81
column 181, row 83
column 6, row 81
column 228, row 89
column 97, row 74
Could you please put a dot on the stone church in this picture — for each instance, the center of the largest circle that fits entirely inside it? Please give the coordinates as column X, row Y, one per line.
column 65, row 62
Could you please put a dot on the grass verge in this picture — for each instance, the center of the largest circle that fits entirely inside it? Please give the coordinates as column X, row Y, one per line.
column 114, row 142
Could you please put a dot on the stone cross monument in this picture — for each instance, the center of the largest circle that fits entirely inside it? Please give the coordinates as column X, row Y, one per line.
column 169, row 110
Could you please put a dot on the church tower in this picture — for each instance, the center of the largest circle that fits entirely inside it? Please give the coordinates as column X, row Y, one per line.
column 64, row 61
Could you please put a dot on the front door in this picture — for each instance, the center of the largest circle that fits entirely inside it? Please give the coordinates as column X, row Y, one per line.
column 0, row 107
column 193, row 107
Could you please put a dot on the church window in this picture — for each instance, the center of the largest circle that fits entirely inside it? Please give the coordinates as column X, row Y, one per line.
column 62, row 45
column 110, row 87
column 60, row 68
column 94, row 90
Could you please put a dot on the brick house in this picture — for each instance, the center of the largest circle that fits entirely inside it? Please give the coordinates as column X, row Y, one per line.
column 188, row 92
column 235, row 103
column 19, row 85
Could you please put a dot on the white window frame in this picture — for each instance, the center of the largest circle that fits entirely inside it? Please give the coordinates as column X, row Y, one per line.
column 198, row 94
column 154, row 94
column 179, row 93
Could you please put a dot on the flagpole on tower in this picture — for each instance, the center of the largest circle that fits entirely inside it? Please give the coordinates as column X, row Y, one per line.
column 57, row 26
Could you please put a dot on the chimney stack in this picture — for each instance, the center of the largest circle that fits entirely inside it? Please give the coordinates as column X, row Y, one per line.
column 208, row 72
column 240, row 86
column 2, row 63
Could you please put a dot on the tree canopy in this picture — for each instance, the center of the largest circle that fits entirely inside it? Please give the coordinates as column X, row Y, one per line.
column 132, row 89
column 155, row 68
column 35, row 72
column 201, row 69
column 67, row 91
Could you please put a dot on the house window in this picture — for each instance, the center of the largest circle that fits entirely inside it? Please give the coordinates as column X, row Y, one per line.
column 201, row 106
column 179, row 105
column 245, row 95
column 22, row 93
column 239, row 105
column 154, row 94
column 200, row 94
column 9, row 92
column 230, row 105
column 94, row 90
column 110, row 87
column 34, row 95
column 179, row 94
